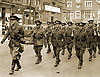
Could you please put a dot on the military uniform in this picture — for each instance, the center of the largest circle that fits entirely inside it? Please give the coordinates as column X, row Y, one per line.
column 80, row 43
column 91, row 43
column 39, row 40
column 15, row 34
column 57, row 39
column 48, row 32
column 98, row 39
column 69, row 38
column 63, row 29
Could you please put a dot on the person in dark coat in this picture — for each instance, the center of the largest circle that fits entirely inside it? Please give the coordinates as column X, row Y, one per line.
column 57, row 40
column 69, row 40
column 39, row 39
column 15, row 34
column 91, row 43
column 80, row 43
column 48, row 32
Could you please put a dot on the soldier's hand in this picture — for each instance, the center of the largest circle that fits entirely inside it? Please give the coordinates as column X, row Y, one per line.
column 1, row 42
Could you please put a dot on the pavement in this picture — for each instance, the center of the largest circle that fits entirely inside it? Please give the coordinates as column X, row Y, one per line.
column 66, row 68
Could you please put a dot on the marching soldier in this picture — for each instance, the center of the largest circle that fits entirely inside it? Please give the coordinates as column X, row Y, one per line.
column 98, row 40
column 15, row 34
column 69, row 40
column 38, row 37
column 91, row 43
column 80, row 43
column 63, row 29
column 57, row 39
column 48, row 32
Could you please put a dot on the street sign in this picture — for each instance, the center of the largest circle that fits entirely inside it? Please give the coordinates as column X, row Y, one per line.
column 52, row 9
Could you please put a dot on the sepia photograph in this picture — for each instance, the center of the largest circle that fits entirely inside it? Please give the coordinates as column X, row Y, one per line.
column 49, row 38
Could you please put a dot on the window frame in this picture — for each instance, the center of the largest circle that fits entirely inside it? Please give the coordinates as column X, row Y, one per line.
column 76, row 14
column 70, row 4
column 88, row 5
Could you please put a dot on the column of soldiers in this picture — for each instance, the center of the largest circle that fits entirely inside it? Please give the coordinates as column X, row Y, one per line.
column 81, row 35
column 60, row 35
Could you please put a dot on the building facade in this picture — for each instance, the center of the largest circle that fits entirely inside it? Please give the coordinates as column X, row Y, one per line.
column 24, row 9
column 50, row 10
column 83, row 10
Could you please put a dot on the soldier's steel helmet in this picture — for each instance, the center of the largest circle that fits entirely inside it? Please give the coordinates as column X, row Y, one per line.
column 90, row 21
column 58, row 22
column 14, row 18
column 82, row 23
column 38, row 22
column 70, row 23
column 63, row 24
column 77, row 24
column 48, row 23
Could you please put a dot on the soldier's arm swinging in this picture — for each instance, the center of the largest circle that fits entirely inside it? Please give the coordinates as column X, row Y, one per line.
column 64, row 39
column 5, row 36
column 87, row 39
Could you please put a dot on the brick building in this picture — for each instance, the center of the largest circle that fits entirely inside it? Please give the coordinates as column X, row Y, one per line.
column 83, row 10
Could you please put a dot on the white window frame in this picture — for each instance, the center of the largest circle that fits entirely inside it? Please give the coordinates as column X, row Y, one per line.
column 88, row 2
column 70, row 3
column 91, row 14
column 76, row 14
column 71, row 14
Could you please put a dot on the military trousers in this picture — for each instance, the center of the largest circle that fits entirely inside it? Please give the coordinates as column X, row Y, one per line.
column 38, row 51
column 48, row 43
column 69, row 47
column 92, row 47
column 57, row 53
column 15, row 50
column 99, row 47
column 80, row 51
column 98, row 43
column 15, row 57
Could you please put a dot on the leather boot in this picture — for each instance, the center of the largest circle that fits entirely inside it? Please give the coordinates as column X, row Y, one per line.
column 90, row 58
column 54, row 56
column 94, row 55
column 63, row 52
column 79, row 66
column 69, row 56
column 11, row 72
column 37, row 61
column 12, row 67
column 56, row 64
column 48, row 51
column 18, row 67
